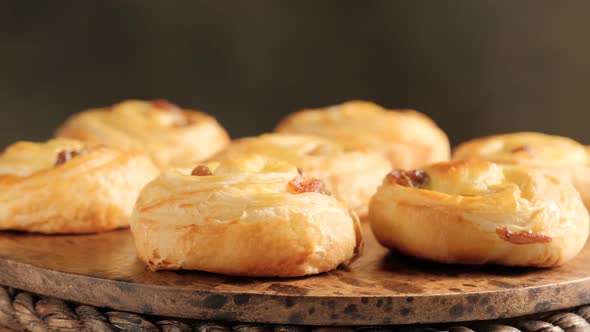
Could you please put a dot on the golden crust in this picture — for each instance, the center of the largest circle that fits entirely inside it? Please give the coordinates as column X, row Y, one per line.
column 407, row 138
column 560, row 156
column 352, row 176
column 171, row 136
column 94, row 191
column 477, row 212
column 242, row 220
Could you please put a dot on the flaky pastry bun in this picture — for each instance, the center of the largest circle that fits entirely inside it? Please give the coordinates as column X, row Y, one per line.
column 64, row 186
column 478, row 212
column 407, row 138
column 560, row 156
column 250, row 217
column 352, row 176
column 170, row 135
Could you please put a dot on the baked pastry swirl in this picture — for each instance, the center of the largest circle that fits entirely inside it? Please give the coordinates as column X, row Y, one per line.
column 250, row 216
column 478, row 212
column 65, row 186
column 352, row 176
column 170, row 135
column 407, row 138
column 560, row 156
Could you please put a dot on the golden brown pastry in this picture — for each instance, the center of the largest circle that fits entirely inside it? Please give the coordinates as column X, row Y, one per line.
column 478, row 212
column 170, row 135
column 250, row 216
column 64, row 186
column 352, row 176
column 407, row 138
column 560, row 156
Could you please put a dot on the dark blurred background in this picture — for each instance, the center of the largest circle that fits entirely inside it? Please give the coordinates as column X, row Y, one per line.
column 476, row 67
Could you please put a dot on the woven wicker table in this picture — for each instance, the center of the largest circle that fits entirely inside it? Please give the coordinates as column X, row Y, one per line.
column 95, row 283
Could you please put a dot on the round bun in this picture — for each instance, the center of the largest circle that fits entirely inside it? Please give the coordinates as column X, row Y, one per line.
column 352, row 176
column 408, row 139
column 248, row 217
column 170, row 135
column 63, row 186
column 477, row 212
column 560, row 156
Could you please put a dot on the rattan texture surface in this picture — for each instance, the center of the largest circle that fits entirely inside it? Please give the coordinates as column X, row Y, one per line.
column 23, row 311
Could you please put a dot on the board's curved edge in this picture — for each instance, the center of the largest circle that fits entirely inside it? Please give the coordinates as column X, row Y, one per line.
column 289, row 309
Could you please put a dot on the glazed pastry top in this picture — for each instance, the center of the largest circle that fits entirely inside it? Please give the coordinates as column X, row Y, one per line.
column 525, row 148
column 345, row 121
column 311, row 153
column 25, row 158
column 493, row 196
column 169, row 134
column 237, row 189
column 288, row 147
column 406, row 137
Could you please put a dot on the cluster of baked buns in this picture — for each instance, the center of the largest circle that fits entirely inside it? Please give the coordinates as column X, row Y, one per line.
column 288, row 203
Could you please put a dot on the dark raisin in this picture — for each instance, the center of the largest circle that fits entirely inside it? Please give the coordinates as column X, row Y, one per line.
column 522, row 148
column 65, row 156
column 201, row 170
column 180, row 119
column 414, row 178
column 165, row 105
column 523, row 237
column 301, row 184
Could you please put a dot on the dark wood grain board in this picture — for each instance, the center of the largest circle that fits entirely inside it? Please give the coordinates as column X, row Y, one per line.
column 379, row 288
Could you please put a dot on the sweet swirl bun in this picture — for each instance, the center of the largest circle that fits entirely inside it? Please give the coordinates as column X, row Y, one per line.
column 407, row 138
column 65, row 186
column 170, row 135
column 248, row 216
column 352, row 176
column 560, row 156
column 477, row 212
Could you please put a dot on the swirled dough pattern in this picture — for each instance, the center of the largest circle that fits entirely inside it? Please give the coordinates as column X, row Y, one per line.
column 170, row 135
column 407, row 138
column 251, row 216
column 560, row 156
column 64, row 186
column 352, row 176
column 477, row 212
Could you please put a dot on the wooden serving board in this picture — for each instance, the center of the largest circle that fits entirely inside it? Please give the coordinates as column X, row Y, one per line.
column 379, row 288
